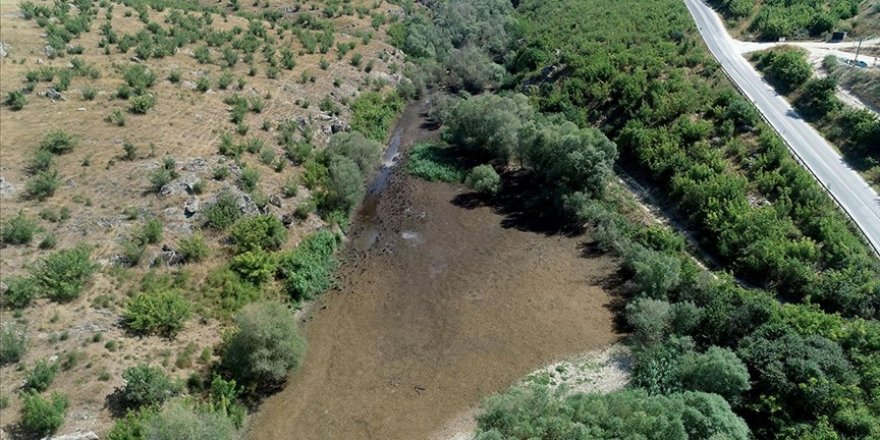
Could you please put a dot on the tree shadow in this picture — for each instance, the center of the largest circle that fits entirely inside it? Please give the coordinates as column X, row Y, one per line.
column 525, row 205
column 115, row 403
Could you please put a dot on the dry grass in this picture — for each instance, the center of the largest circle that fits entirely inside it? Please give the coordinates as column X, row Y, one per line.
column 97, row 185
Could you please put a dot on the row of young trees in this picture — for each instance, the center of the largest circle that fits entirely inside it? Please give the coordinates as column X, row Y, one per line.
column 771, row 20
column 856, row 131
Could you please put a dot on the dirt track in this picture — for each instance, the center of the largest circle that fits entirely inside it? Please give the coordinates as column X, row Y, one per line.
column 444, row 309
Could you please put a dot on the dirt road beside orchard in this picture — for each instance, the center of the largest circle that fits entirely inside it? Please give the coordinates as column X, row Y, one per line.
column 445, row 307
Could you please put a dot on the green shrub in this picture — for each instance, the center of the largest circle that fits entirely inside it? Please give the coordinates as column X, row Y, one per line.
column 146, row 385
column 230, row 291
column 434, row 163
column 193, row 248
column 20, row 291
column 484, row 179
column 307, row 269
column 159, row 178
column 786, row 67
column 249, row 179
column 89, row 93
column 373, row 114
column 203, row 84
column 140, row 104
column 40, row 377
column 139, row 78
column 162, row 312
column 117, row 117
column 266, row 346
column 42, row 185
column 15, row 100
column 18, row 230
column 42, row 417
column 151, row 232
column 175, row 76
column 64, row 273
column 264, row 232
column 58, row 142
column 42, row 161
column 132, row 252
column 254, row 266
column 49, row 241
column 131, row 427
column 223, row 212
column 12, row 345
column 176, row 421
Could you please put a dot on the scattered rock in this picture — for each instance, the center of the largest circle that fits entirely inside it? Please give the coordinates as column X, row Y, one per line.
column 78, row 435
column 188, row 85
column 167, row 258
column 53, row 95
column 337, row 125
column 6, row 189
column 196, row 164
column 4, row 50
column 275, row 200
column 288, row 219
column 191, row 207
column 50, row 51
column 136, row 59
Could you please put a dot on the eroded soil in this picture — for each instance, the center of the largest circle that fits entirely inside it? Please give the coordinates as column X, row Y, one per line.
column 446, row 305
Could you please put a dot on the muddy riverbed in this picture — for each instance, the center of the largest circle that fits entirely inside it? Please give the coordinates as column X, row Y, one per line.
column 438, row 306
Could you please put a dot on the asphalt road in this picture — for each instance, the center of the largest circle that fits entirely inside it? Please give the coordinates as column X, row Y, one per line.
column 856, row 197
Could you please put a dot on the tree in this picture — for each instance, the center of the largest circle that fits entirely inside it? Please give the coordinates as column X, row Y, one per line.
column 147, row 385
column 12, row 344
column 355, row 146
column 655, row 273
column 786, row 67
column 344, row 186
column 484, row 179
column 650, row 319
column 266, row 346
column 818, row 98
column 487, row 126
column 718, row 371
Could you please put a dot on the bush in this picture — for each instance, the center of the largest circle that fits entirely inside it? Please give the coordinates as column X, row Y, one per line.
column 15, row 100
column 58, row 142
column 161, row 312
column 147, row 385
column 266, row 346
column 12, row 345
column 249, row 179
column 230, row 291
column 649, row 319
column 18, row 230
column 64, row 273
column 434, row 163
column 159, row 178
column 537, row 413
column 20, row 291
column 787, row 68
column 41, row 417
column 43, row 161
column 307, row 268
column 42, row 185
column 484, row 179
column 264, row 232
column 117, row 117
column 193, row 248
column 40, row 377
column 223, row 212
column 179, row 422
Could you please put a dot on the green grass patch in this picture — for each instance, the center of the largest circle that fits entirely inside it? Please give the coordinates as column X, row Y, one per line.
column 434, row 163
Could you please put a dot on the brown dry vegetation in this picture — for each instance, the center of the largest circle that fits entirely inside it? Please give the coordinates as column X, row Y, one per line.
column 97, row 184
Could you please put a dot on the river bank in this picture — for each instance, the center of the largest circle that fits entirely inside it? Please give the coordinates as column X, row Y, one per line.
column 439, row 304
